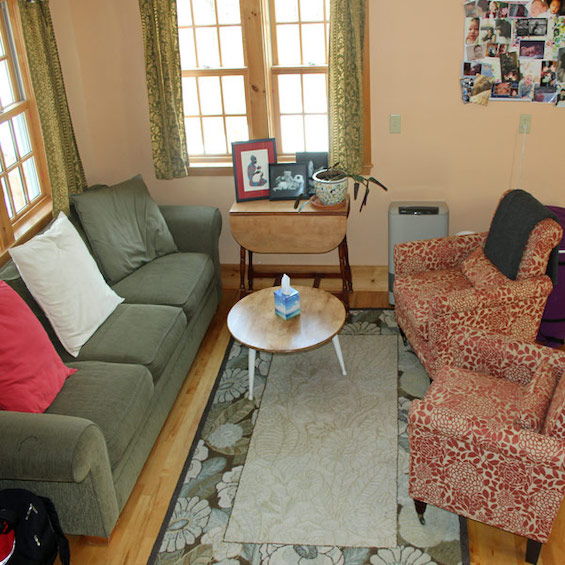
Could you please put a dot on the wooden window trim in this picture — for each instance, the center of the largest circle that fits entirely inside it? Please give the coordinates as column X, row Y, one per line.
column 260, row 78
column 27, row 223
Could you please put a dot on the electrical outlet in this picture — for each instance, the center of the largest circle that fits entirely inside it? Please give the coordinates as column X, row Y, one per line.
column 525, row 123
column 394, row 123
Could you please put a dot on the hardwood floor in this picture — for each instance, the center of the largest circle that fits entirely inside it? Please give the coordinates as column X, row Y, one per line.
column 140, row 521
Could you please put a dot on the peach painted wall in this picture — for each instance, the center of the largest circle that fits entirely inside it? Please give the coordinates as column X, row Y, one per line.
column 463, row 154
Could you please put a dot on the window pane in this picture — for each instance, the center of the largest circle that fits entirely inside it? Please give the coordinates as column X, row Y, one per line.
column 234, row 95
column 194, row 136
column 316, row 133
column 186, row 48
column 22, row 135
column 207, row 41
column 210, row 95
column 315, row 94
column 237, row 130
column 17, row 188
column 288, row 45
column 311, row 10
column 7, row 144
column 7, row 198
column 290, row 94
column 313, row 44
column 214, row 136
column 32, row 180
column 228, row 11
column 292, row 129
column 184, row 16
column 232, row 46
column 6, row 91
column 190, row 96
column 204, row 12
column 286, row 11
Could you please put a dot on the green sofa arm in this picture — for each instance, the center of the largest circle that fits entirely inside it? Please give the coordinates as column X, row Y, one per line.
column 50, row 447
column 196, row 229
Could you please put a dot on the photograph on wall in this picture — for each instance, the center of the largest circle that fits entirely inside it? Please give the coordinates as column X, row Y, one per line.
column 314, row 162
column 561, row 97
column 519, row 46
column 288, row 181
column 251, row 160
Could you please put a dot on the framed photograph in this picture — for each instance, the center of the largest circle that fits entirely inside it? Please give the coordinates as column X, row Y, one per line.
column 288, row 181
column 251, row 160
column 314, row 162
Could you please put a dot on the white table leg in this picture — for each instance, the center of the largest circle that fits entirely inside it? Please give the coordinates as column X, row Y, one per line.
column 251, row 370
column 337, row 347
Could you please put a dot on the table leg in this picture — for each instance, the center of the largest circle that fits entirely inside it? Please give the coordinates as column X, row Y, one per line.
column 347, row 265
column 251, row 370
column 337, row 347
column 250, row 273
column 241, row 271
column 343, row 265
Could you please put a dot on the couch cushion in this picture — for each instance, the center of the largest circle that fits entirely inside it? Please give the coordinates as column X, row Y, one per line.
column 114, row 396
column 481, row 272
column 555, row 418
column 142, row 334
column 124, row 227
column 413, row 294
column 178, row 279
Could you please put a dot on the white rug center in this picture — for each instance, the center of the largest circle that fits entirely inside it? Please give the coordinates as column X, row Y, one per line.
column 322, row 464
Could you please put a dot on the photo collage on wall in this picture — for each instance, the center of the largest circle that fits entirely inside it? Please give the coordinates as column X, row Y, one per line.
column 514, row 51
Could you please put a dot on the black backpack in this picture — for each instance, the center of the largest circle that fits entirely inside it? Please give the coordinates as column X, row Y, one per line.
column 33, row 518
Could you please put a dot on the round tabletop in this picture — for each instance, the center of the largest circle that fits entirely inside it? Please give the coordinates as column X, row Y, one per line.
column 253, row 322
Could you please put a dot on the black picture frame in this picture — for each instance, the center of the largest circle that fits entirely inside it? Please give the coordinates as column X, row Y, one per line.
column 318, row 160
column 288, row 181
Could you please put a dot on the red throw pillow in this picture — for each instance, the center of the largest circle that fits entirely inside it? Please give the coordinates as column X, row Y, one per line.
column 32, row 372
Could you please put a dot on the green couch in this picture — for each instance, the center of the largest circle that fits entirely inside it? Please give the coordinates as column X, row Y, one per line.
column 87, row 450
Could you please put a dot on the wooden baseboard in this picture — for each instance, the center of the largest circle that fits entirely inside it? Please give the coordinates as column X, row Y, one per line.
column 366, row 278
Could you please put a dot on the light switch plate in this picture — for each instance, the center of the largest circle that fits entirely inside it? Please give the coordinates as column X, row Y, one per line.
column 525, row 123
column 394, row 123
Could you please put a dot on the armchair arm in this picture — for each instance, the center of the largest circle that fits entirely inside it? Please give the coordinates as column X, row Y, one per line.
column 510, row 441
column 434, row 254
column 510, row 293
column 196, row 229
column 50, row 447
column 501, row 356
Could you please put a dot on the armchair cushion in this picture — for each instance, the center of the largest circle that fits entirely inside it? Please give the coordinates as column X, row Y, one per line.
column 414, row 294
column 480, row 272
column 536, row 398
column 555, row 418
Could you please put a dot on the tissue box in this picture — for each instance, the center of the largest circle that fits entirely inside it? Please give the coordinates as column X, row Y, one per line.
column 287, row 305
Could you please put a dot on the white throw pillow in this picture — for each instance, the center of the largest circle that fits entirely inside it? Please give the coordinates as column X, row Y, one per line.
column 65, row 281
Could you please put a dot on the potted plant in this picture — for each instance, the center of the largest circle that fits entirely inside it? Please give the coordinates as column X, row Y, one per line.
column 331, row 185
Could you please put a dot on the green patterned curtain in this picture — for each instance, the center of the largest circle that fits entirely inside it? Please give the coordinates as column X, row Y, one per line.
column 63, row 160
column 347, row 26
column 164, row 88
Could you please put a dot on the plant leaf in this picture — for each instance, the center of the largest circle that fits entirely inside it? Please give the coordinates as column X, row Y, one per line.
column 355, row 190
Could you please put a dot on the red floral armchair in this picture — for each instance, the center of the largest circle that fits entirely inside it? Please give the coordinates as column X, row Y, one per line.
column 488, row 439
column 442, row 284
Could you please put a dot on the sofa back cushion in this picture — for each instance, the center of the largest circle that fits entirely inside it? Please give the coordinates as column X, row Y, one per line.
column 32, row 373
column 555, row 418
column 124, row 227
column 537, row 398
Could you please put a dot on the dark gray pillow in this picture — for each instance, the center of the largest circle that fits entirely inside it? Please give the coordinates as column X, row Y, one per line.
column 124, row 226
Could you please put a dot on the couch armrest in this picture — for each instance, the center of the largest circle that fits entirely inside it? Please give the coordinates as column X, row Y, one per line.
column 499, row 355
column 196, row 229
column 434, row 254
column 50, row 447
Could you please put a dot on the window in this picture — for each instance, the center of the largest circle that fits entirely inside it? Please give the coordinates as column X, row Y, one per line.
column 254, row 69
column 22, row 163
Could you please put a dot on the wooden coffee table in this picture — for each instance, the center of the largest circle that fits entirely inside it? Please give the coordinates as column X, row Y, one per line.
column 253, row 322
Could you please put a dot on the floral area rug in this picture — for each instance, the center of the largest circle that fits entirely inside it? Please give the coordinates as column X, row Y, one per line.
column 193, row 532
